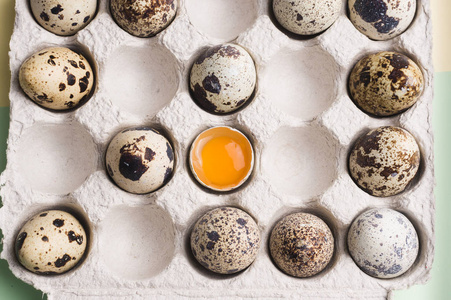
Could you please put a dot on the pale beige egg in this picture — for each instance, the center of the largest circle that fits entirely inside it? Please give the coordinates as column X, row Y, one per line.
column 51, row 242
column 140, row 160
column 223, row 79
column 57, row 78
column 63, row 17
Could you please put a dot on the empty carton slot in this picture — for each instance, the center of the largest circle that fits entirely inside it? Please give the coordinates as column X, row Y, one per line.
column 56, row 158
column 141, row 81
column 300, row 161
column 307, row 86
column 137, row 242
column 222, row 19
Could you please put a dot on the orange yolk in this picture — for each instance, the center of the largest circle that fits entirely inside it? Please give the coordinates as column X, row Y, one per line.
column 222, row 161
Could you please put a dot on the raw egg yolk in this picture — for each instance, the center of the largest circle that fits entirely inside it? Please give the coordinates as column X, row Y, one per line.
column 222, row 161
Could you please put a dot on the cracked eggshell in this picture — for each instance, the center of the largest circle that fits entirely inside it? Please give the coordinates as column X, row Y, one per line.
column 223, row 79
column 143, row 18
column 140, row 160
column 385, row 83
column 225, row 240
column 306, row 17
column 52, row 242
column 383, row 243
column 63, row 17
column 56, row 78
column 384, row 161
column 382, row 19
column 301, row 245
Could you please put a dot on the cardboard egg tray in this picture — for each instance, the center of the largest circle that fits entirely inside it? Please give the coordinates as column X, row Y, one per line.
column 301, row 122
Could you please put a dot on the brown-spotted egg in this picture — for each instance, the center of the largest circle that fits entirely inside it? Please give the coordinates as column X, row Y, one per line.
column 385, row 83
column 63, row 17
column 143, row 18
column 225, row 240
column 383, row 243
column 140, row 160
column 51, row 242
column 306, row 17
column 384, row 161
column 223, row 78
column 301, row 245
column 56, row 78
column 382, row 19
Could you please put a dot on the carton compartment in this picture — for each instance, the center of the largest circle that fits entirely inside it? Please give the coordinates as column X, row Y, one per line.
column 300, row 161
column 301, row 83
column 222, row 19
column 56, row 158
column 141, row 80
column 137, row 242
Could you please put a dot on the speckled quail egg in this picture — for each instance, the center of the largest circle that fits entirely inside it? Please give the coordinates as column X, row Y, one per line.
column 63, row 17
column 384, row 161
column 56, row 78
column 140, row 160
column 382, row 19
column 306, row 17
column 385, row 83
column 301, row 245
column 223, row 79
column 383, row 243
column 51, row 242
column 143, row 18
column 225, row 240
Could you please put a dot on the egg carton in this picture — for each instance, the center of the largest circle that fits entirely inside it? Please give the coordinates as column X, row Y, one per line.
column 301, row 122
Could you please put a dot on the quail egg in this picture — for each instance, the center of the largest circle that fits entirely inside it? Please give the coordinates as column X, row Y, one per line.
column 225, row 240
column 140, row 160
column 56, row 78
column 306, row 17
column 51, row 242
column 383, row 243
column 143, row 18
column 63, row 17
column 301, row 245
column 382, row 19
column 223, row 79
column 384, row 161
column 385, row 83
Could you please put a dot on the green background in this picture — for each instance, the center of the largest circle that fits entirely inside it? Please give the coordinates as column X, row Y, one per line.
column 439, row 287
